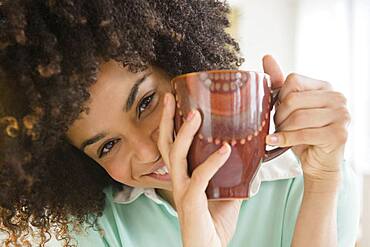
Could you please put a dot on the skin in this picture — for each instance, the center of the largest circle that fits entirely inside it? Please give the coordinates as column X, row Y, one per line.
column 136, row 153
column 313, row 119
column 308, row 109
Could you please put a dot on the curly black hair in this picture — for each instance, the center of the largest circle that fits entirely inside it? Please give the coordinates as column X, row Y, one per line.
column 50, row 53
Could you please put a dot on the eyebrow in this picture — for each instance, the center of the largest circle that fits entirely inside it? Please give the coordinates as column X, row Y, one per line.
column 92, row 140
column 134, row 90
column 130, row 101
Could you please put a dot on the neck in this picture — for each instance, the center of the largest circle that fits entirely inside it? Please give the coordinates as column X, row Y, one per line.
column 167, row 196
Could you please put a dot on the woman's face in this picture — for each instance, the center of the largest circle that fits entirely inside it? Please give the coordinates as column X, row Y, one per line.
column 121, row 129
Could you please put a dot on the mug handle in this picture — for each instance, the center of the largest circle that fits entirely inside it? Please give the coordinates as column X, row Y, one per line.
column 272, row 154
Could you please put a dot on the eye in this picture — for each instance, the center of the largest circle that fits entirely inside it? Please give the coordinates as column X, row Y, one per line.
column 144, row 104
column 107, row 147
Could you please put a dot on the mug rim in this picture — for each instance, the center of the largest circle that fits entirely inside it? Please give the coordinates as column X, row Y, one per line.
column 218, row 71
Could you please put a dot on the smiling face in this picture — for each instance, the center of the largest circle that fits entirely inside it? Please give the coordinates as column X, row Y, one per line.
column 121, row 129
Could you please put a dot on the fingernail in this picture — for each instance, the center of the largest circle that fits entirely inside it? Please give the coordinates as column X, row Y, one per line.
column 191, row 115
column 273, row 139
column 165, row 101
column 223, row 149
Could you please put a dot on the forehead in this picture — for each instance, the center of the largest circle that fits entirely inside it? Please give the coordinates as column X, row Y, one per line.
column 114, row 76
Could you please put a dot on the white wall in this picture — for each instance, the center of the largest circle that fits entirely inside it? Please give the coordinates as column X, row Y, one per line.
column 267, row 27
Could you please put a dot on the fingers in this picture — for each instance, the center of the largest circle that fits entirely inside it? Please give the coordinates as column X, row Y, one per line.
column 300, row 123
column 308, row 118
column 204, row 172
column 186, row 134
column 309, row 100
column 298, row 83
column 328, row 137
column 272, row 68
column 181, row 147
column 166, row 126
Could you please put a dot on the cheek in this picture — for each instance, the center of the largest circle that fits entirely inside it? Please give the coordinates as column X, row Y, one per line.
column 120, row 172
column 153, row 119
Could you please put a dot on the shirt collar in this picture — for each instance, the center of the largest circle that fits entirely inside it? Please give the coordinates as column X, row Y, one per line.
column 285, row 166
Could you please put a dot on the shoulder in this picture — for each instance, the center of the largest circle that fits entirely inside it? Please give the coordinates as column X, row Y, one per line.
column 140, row 222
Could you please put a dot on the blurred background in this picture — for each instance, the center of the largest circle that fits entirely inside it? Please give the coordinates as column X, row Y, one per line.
column 323, row 39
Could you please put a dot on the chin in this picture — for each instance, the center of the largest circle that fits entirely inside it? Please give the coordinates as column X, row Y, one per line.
column 163, row 186
column 167, row 186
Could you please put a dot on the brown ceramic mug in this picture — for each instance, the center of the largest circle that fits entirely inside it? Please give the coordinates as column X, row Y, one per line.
column 235, row 106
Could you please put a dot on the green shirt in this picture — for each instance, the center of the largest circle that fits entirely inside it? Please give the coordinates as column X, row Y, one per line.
column 266, row 220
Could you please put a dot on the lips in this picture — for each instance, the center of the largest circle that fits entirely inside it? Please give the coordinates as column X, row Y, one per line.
column 161, row 171
column 159, row 167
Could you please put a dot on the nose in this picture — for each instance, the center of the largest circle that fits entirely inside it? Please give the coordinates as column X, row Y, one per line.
column 144, row 146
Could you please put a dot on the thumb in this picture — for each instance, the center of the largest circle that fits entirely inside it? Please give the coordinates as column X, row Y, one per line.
column 272, row 68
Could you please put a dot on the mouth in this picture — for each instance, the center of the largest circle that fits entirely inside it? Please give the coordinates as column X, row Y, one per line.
column 161, row 172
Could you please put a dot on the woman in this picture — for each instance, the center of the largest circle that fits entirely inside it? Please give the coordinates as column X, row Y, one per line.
column 87, row 151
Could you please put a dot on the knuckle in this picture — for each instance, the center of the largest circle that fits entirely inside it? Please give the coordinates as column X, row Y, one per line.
column 344, row 115
column 343, row 99
column 347, row 117
column 290, row 100
column 337, row 134
column 341, row 134
column 326, row 85
column 292, row 77
column 298, row 117
column 340, row 98
column 284, row 139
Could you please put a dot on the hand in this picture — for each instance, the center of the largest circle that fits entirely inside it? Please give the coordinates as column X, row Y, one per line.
column 202, row 223
column 312, row 118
